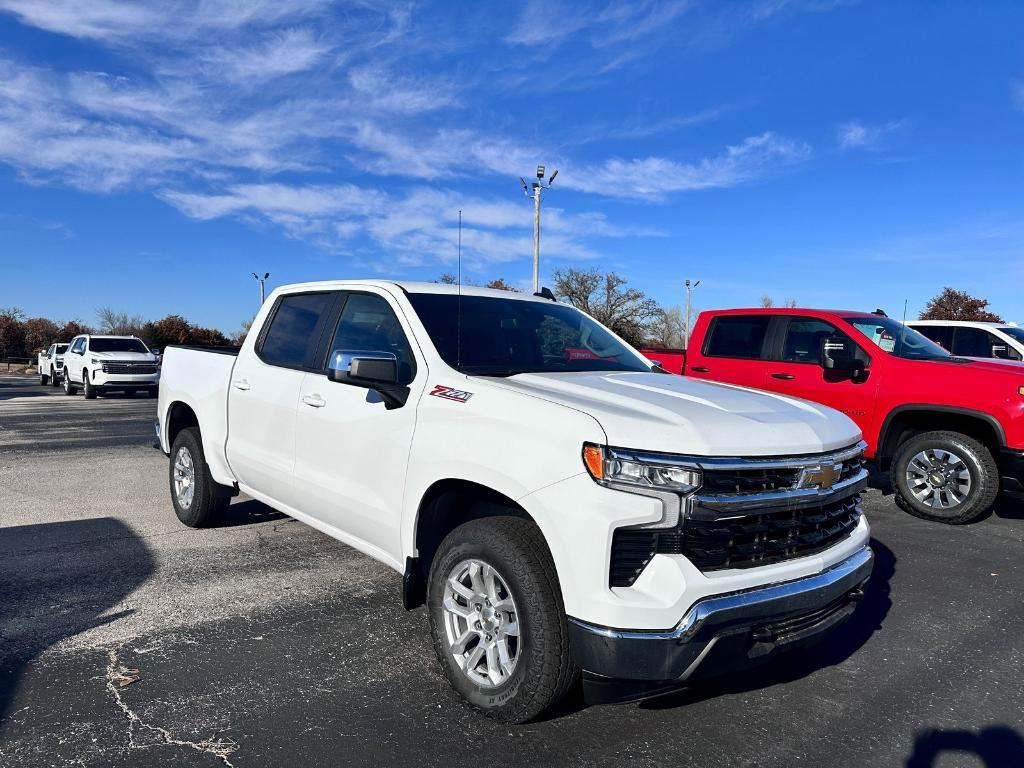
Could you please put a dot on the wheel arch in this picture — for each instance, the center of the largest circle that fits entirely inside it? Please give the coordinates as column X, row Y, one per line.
column 180, row 415
column 905, row 421
column 444, row 506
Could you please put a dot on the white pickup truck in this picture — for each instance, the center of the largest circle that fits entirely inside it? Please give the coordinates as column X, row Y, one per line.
column 51, row 361
column 107, row 363
column 560, row 507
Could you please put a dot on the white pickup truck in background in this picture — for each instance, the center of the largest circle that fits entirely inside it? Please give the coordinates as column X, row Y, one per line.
column 560, row 507
column 51, row 362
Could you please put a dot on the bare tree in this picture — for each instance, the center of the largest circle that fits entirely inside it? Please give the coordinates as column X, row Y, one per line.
column 958, row 305
column 119, row 323
column 790, row 303
column 447, row 279
column 666, row 329
column 501, row 284
column 606, row 298
column 767, row 301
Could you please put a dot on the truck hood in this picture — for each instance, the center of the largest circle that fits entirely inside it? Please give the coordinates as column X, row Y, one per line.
column 676, row 414
column 130, row 357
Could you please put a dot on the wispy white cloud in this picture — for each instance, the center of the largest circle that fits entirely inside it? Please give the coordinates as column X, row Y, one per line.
column 284, row 52
column 131, row 21
column 858, row 135
column 652, row 178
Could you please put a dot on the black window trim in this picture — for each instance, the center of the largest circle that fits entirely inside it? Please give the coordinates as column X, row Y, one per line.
column 322, row 352
column 765, row 342
column 317, row 331
column 778, row 341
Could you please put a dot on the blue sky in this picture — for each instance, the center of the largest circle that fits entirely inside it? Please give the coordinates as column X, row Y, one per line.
column 152, row 155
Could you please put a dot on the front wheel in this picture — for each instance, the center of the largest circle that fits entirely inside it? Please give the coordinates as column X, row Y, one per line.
column 43, row 378
column 54, row 378
column 497, row 619
column 946, row 477
column 88, row 389
column 69, row 388
column 197, row 498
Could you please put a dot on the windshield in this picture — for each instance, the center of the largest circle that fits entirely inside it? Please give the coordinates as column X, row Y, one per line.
column 897, row 339
column 1015, row 333
column 116, row 345
column 61, row 349
column 503, row 337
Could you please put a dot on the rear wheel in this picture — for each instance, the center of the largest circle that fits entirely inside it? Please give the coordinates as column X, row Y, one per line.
column 88, row 389
column 497, row 619
column 197, row 498
column 947, row 477
column 69, row 388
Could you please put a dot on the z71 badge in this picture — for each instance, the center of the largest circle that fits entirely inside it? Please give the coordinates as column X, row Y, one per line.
column 448, row 393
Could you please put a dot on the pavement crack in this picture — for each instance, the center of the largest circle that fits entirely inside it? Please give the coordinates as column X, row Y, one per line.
column 116, row 672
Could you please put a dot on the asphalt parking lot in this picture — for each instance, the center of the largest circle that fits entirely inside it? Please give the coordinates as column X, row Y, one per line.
column 127, row 639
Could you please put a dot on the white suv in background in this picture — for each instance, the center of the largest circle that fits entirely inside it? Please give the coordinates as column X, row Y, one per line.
column 974, row 339
column 104, row 363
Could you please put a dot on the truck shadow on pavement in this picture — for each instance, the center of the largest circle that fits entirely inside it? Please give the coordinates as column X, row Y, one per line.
column 787, row 667
column 247, row 512
column 996, row 746
column 58, row 580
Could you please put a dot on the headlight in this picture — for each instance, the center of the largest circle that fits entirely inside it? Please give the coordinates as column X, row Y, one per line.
column 94, row 361
column 616, row 467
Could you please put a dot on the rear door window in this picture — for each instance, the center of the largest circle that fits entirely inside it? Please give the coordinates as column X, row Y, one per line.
column 940, row 334
column 973, row 342
column 741, row 336
column 291, row 339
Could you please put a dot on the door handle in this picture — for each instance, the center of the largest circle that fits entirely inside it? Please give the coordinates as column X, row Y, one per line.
column 241, row 384
column 783, row 376
column 700, row 369
column 314, row 400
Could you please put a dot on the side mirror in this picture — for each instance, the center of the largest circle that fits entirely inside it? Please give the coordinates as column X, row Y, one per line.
column 1004, row 352
column 840, row 354
column 371, row 370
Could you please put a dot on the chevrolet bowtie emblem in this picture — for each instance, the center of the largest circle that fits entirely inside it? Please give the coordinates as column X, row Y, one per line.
column 822, row 476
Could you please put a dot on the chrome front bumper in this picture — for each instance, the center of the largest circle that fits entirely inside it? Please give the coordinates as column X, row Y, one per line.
column 718, row 634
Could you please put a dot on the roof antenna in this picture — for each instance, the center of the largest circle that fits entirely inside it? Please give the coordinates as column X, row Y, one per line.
column 458, row 311
column 903, row 332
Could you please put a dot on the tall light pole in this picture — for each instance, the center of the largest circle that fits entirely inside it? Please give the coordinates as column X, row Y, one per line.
column 686, row 318
column 261, row 281
column 535, row 191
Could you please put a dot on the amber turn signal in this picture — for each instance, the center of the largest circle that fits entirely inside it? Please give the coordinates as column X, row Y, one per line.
column 1020, row 390
column 593, row 457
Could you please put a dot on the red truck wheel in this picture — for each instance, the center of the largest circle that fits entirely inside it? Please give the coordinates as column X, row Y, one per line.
column 947, row 477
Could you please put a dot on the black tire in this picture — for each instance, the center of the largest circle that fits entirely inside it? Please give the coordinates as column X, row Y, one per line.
column 87, row 388
column 54, row 378
column 209, row 498
column 43, row 378
column 544, row 670
column 977, row 459
column 69, row 388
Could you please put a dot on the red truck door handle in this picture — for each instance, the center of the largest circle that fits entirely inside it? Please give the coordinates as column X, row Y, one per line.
column 784, row 376
column 700, row 369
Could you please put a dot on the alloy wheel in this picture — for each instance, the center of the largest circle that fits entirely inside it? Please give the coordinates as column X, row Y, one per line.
column 184, row 478
column 481, row 623
column 939, row 478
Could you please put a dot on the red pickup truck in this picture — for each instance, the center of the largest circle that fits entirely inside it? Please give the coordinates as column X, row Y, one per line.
column 950, row 429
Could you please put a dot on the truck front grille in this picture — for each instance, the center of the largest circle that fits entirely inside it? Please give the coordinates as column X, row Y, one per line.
column 749, row 513
column 129, row 368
